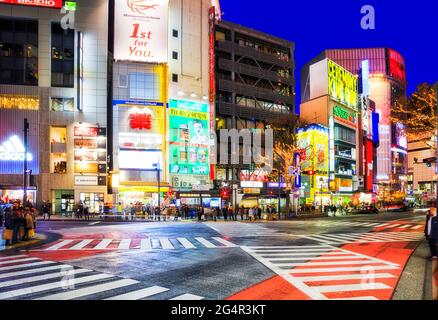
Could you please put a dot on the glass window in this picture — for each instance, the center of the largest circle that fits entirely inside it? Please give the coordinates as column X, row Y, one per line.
column 62, row 56
column 18, row 52
column 144, row 86
column 62, row 104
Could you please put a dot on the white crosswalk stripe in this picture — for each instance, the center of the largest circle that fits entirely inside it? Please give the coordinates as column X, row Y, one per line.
column 341, row 238
column 147, row 244
column 359, row 224
column 66, row 282
column 330, row 275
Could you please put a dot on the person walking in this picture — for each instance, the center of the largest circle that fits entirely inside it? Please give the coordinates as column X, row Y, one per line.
column 431, row 231
column 241, row 212
column 225, row 213
column 251, row 214
column 8, row 232
column 29, row 224
column 86, row 213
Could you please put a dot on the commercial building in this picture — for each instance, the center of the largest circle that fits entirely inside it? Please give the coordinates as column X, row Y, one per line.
column 387, row 84
column 254, row 88
column 162, row 103
column 56, row 78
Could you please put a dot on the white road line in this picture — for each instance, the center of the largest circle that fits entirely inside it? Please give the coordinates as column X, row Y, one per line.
column 382, row 225
column 292, row 250
column 291, row 247
column 69, row 295
column 50, row 286
column 346, row 269
column 357, row 298
column 124, row 244
column 32, row 271
column 67, row 272
column 332, row 263
column 145, row 244
column 103, row 244
column 370, row 224
column 140, row 294
column 352, row 287
column 188, row 296
column 186, row 243
column 22, row 266
column 310, row 255
column 59, row 245
column 81, row 244
column 324, row 239
column 166, row 244
column 316, row 258
column 13, row 257
column 19, row 260
column 225, row 242
column 344, row 237
column 346, row 277
column 418, row 227
column 94, row 223
column 206, row 243
column 405, row 226
column 393, row 225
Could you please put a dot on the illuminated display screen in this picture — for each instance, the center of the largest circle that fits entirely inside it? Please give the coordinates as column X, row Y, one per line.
column 342, row 85
column 189, row 138
column 314, row 148
column 140, row 160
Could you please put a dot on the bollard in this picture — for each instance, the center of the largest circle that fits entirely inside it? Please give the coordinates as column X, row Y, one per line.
column 434, row 280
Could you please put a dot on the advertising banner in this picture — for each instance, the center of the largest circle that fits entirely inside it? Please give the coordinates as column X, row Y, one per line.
column 141, row 30
column 35, row 3
column 189, row 137
column 343, row 85
column 312, row 143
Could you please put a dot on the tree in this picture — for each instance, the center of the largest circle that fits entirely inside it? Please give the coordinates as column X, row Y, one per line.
column 418, row 114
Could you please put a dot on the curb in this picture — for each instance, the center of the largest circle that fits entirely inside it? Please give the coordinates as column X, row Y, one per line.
column 38, row 239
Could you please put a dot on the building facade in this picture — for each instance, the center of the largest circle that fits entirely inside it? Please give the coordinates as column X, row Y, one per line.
column 55, row 78
column 254, row 88
column 387, row 84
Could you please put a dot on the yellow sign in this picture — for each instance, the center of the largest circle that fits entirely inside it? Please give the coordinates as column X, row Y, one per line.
column 343, row 85
column 313, row 146
column 310, row 201
column 86, row 168
column 251, row 190
column 19, row 102
column 143, row 189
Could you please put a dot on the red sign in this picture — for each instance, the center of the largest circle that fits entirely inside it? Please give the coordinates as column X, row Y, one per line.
column 86, row 131
column 36, row 3
column 397, row 67
column 369, row 173
column 140, row 121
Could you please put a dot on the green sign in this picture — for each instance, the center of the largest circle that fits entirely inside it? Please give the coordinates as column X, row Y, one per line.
column 70, row 5
column 341, row 113
column 189, row 141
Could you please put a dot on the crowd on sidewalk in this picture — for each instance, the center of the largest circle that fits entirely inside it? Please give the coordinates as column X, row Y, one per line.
column 18, row 221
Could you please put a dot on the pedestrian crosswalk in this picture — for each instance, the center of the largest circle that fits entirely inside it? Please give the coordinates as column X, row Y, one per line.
column 36, row 279
column 341, row 238
column 325, row 272
column 146, row 244
column 237, row 230
column 380, row 226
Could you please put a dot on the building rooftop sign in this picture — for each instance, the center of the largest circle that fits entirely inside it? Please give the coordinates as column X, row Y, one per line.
column 342, row 85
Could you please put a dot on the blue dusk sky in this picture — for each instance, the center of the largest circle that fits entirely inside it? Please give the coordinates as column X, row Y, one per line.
column 410, row 27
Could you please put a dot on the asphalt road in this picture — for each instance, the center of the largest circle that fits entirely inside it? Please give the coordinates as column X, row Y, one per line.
column 355, row 257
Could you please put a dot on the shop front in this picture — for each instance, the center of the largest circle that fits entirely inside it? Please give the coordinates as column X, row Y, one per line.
column 16, row 193
column 64, row 202
column 145, row 195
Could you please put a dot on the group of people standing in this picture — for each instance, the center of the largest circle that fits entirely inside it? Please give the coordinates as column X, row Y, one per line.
column 19, row 222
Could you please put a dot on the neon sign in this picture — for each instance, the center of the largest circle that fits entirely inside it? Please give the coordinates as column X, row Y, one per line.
column 35, row 3
column 140, row 121
column 345, row 116
column 13, row 150
column 342, row 85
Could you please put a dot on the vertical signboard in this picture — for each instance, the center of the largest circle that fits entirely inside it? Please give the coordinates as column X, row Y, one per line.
column 212, row 95
column 141, row 30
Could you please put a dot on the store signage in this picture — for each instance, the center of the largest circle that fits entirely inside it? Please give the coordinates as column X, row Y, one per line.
column 342, row 85
column 313, row 147
column 275, row 185
column 140, row 160
column 251, row 184
column 36, row 3
column 140, row 121
column 86, row 168
column 365, row 77
column 201, row 187
column 70, row 5
column 19, row 102
column 345, row 116
column 397, row 68
column 141, row 30
column 251, row 191
column 212, row 21
column 257, row 175
column 135, row 103
column 86, row 180
column 81, row 131
column 13, row 150
column 189, row 143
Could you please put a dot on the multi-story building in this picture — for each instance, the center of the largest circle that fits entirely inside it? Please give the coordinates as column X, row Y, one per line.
column 55, row 78
column 254, row 88
column 330, row 98
column 161, row 106
column 387, row 84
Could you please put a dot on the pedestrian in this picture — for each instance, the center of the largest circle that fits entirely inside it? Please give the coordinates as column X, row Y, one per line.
column 86, row 213
column 225, row 213
column 8, row 232
column 49, row 209
column 2, row 212
column 231, row 213
column 251, row 214
column 217, row 213
column 431, row 231
column 80, row 211
column 241, row 212
column 132, row 213
column 16, row 224
column 29, row 224
column 259, row 213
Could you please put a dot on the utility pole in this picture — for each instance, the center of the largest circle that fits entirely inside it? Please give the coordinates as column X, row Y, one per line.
column 26, row 134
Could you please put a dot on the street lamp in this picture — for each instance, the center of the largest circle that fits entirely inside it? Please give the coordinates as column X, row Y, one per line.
column 321, row 180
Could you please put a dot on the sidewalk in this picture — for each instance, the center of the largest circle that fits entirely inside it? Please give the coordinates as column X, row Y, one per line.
column 416, row 280
column 36, row 240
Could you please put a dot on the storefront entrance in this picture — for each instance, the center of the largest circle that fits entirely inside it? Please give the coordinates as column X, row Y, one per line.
column 94, row 201
column 64, row 202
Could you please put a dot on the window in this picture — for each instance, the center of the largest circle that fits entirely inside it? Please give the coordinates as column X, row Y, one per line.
column 62, row 104
column 144, row 86
column 175, row 55
column 18, row 52
column 174, row 77
column 345, row 134
column 58, row 150
column 62, row 56
column 175, row 33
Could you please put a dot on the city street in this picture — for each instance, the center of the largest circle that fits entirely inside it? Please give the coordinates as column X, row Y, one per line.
column 353, row 257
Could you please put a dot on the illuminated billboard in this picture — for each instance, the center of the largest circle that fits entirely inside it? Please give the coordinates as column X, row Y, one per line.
column 141, row 30
column 189, row 143
column 313, row 146
column 342, row 85
column 35, row 3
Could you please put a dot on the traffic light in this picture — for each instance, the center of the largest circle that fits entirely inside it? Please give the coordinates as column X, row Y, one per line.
column 225, row 193
column 309, row 172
